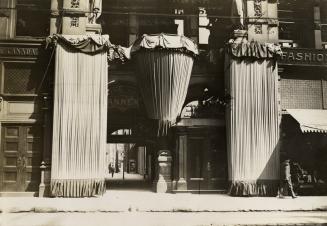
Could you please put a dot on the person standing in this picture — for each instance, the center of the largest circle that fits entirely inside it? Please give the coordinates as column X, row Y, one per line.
column 111, row 170
column 286, row 180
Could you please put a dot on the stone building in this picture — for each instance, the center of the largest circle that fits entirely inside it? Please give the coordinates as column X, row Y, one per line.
column 246, row 102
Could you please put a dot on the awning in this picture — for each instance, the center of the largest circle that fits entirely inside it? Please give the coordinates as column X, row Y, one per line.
column 310, row 120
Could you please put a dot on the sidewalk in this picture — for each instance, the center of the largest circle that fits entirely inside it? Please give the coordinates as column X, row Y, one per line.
column 120, row 201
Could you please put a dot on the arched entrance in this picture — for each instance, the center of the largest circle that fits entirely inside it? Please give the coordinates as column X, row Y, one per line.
column 130, row 146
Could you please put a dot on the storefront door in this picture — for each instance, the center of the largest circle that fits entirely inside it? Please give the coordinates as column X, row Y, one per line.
column 207, row 161
column 21, row 157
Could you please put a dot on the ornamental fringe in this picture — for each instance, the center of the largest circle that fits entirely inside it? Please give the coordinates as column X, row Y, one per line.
column 77, row 187
column 254, row 188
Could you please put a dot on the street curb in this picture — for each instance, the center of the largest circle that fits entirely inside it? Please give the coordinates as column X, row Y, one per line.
column 56, row 210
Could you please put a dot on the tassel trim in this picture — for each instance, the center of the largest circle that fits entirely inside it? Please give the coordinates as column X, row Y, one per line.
column 77, row 187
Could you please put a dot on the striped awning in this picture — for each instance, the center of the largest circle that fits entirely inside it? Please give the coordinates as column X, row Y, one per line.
column 310, row 120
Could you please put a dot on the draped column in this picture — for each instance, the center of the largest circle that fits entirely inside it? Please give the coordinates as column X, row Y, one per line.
column 164, row 63
column 79, row 122
column 252, row 119
column 164, row 66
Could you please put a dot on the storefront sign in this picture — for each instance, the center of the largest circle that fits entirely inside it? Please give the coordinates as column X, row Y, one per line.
column 312, row 57
column 123, row 103
column 16, row 51
column 123, row 98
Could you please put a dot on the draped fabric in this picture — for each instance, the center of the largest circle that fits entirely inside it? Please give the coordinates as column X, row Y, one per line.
column 164, row 78
column 253, row 50
column 165, row 41
column 91, row 44
column 252, row 126
column 164, row 64
column 79, row 123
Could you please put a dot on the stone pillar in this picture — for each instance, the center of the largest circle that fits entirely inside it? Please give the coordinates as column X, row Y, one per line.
column 7, row 19
column 182, row 161
column 163, row 181
column 74, row 17
column 44, row 187
column 55, row 17
column 133, row 28
column 262, row 22
column 163, row 184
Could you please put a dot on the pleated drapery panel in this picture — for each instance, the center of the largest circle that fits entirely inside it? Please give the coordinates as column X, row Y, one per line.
column 252, row 126
column 163, row 76
column 79, row 123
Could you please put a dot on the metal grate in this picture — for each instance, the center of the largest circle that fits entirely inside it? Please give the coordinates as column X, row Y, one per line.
column 21, row 78
column 296, row 93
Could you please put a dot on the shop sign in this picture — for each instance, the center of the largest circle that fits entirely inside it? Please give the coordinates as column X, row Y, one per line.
column 297, row 56
column 16, row 51
column 123, row 103
column 123, row 98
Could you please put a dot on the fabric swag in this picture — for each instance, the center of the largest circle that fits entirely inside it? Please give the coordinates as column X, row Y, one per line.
column 164, row 65
column 79, row 123
column 252, row 123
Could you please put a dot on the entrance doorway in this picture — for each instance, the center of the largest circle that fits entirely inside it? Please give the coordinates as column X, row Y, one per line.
column 20, row 154
column 129, row 163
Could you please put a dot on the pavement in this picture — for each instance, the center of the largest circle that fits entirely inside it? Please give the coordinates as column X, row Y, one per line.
column 146, row 201
column 141, row 206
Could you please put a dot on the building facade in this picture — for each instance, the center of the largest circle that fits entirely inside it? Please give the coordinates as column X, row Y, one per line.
column 199, row 143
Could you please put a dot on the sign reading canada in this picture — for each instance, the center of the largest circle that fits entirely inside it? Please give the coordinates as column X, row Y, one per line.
column 123, row 98
column 310, row 57
column 17, row 51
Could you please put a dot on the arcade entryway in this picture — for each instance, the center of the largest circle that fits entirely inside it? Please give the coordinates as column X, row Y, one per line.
column 129, row 161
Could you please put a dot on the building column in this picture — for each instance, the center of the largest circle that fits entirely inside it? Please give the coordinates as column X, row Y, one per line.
column 44, row 187
column 7, row 19
column 74, row 17
column 163, row 182
column 182, row 161
column 54, row 17
column 262, row 24
column 133, row 28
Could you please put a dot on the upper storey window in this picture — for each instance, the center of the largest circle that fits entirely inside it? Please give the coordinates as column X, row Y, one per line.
column 323, row 18
column 295, row 16
column 33, row 18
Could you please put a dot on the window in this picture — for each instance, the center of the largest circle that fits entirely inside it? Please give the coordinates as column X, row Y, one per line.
column 33, row 18
column 323, row 18
column 116, row 25
column 21, row 78
column 295, row 16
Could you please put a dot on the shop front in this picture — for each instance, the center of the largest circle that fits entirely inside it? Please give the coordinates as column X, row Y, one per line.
column 23, row 115
column 303, row 88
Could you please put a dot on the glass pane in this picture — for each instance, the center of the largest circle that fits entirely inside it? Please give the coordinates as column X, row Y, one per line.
column 21, row 78
column 12, row 131
column 33, row 18
column 11, row 161
column 10, row 176
column 11, row 146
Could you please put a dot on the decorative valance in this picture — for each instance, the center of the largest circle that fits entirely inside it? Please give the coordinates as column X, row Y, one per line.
column 253, row 49
column 164, row 65
column 166, row 42
column 90, row 44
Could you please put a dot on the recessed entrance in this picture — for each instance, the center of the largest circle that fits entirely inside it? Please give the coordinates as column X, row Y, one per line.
column 129, row 163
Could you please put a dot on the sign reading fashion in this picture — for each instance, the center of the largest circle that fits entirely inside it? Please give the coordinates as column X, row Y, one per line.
column 312, row 57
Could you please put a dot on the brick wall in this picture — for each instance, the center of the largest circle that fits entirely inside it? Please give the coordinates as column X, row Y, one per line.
column 302, row 93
